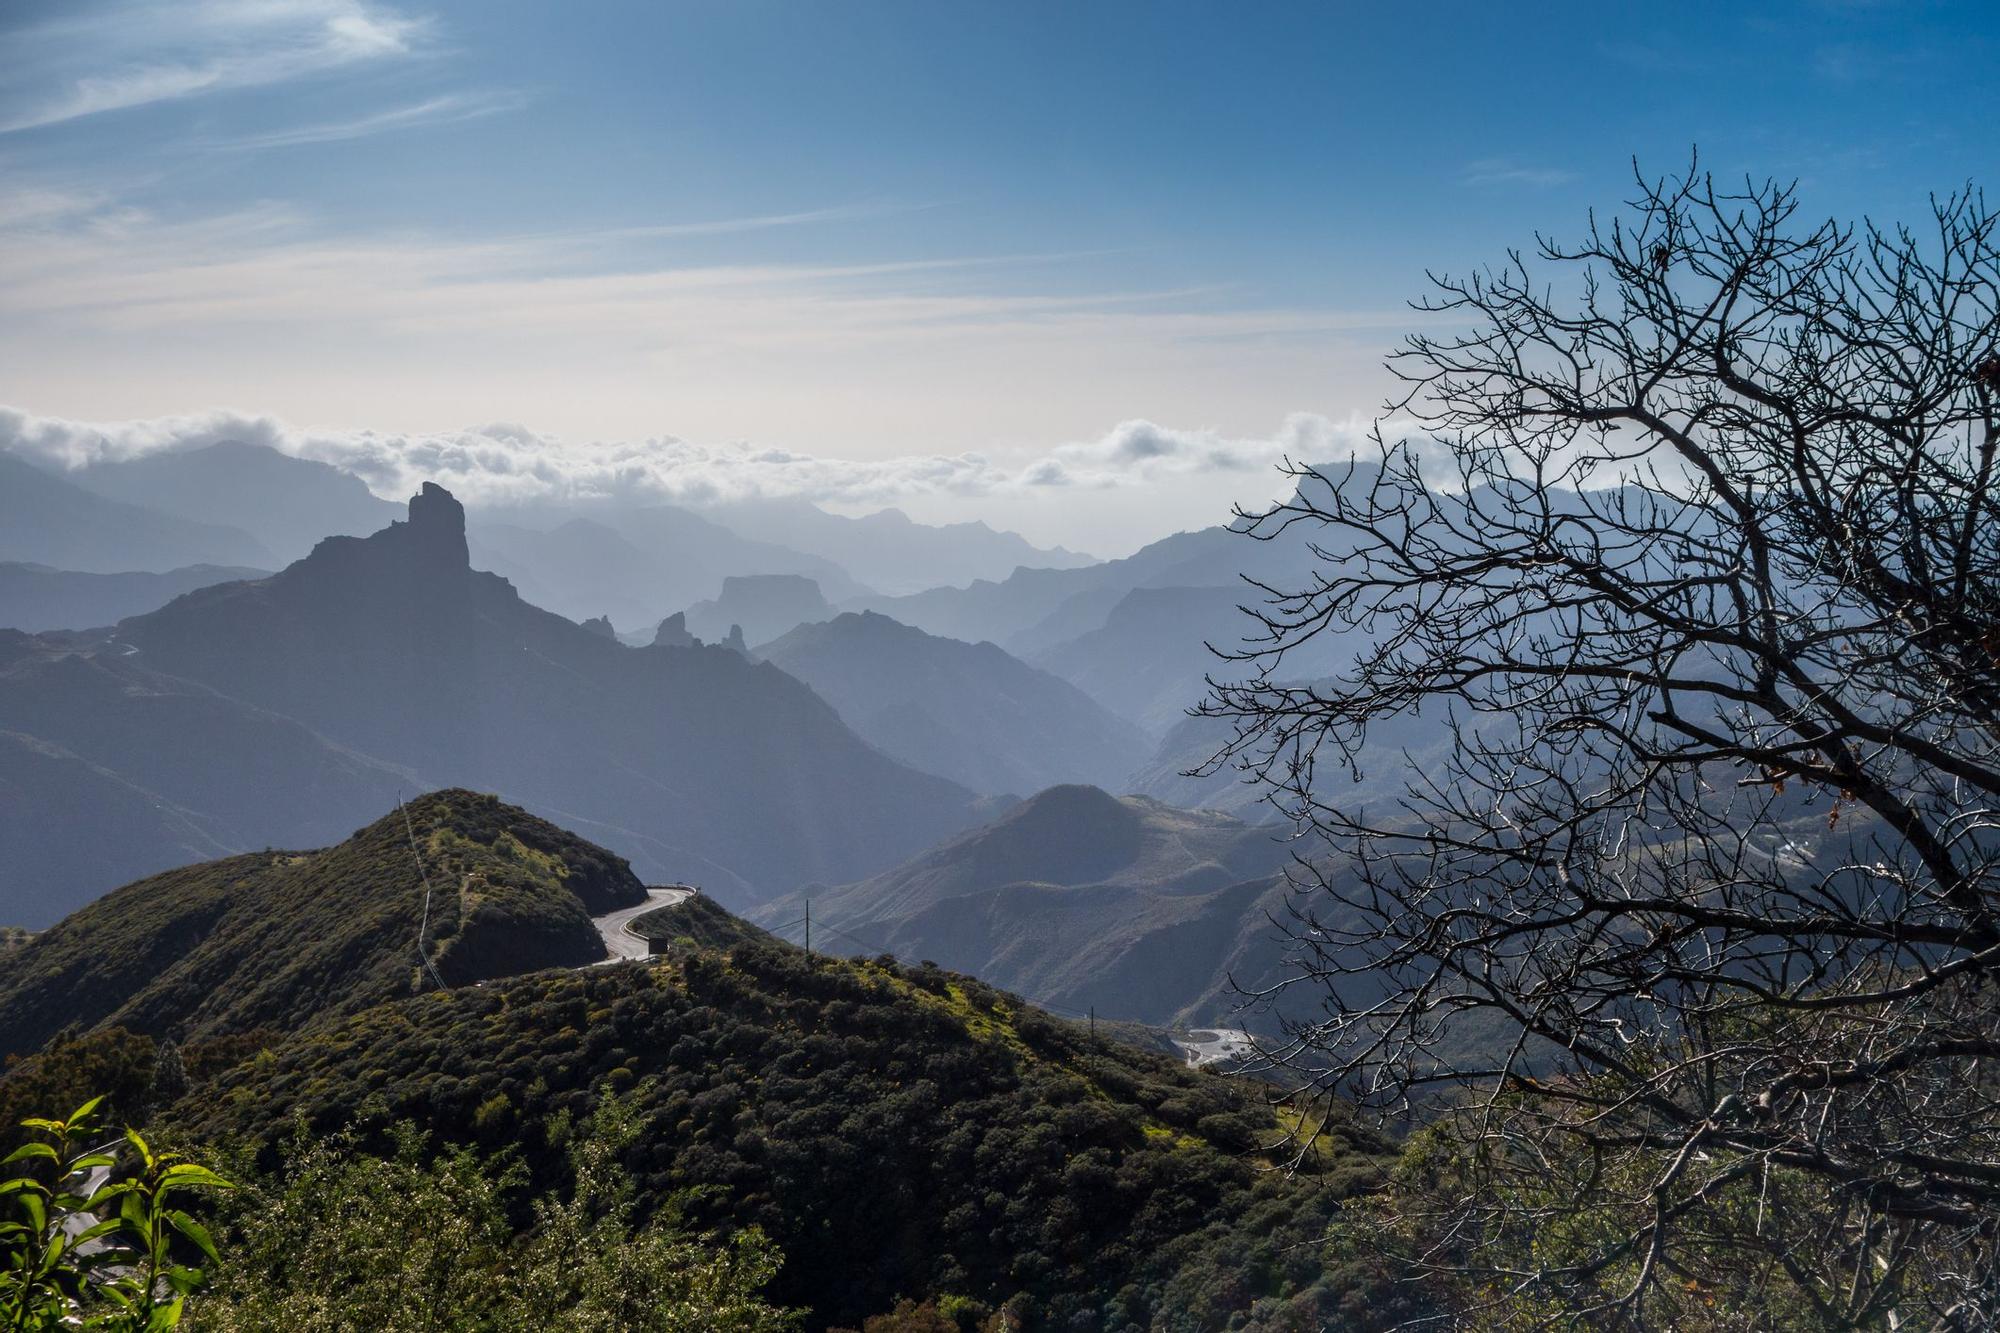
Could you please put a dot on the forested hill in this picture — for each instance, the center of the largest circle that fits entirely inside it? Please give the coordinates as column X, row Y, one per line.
column 279, row 939
column 899, row 1132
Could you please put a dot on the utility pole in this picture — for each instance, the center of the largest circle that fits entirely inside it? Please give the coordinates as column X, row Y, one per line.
column 809, row 925
column 1093, row 1024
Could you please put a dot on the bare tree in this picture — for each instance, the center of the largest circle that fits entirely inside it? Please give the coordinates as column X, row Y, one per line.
column 1685, row 539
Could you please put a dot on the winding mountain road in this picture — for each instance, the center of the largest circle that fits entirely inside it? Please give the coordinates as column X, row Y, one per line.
column 615, row 927
column 1221, row 1044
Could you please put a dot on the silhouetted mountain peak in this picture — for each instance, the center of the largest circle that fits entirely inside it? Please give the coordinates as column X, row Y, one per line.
column 673, row 633
column 437, row 525
column 1069, row 806
column 418, row 550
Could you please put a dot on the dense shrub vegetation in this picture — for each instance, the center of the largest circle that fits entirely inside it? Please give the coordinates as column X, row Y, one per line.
column 281, row 939
column 897, row 1133
column 340, row 1240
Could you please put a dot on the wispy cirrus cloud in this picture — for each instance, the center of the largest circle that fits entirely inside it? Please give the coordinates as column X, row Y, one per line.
column 449, row 109
column 1505, row 171
column 116, row 311
column 106, row 58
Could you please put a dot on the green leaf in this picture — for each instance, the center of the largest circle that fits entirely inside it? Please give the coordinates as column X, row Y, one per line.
column 110, row 1192
column 188, row 1175
column 28, row 1150
column 103, row 1228
column 195, row 1232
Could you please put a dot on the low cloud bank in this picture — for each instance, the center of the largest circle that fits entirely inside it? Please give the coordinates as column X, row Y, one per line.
column 502, row 463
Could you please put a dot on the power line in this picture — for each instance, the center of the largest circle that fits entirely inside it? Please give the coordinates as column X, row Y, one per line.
column 423, row 925
column 1061, row 1011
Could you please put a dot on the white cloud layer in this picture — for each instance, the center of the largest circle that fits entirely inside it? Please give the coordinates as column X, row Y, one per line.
column 502, row 463
column 112, row 58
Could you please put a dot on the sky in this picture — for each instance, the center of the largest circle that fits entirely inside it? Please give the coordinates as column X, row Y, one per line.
column 1087, row 270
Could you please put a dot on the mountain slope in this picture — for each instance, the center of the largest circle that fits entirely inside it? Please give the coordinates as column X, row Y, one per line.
column 120, row 771
column 48, row 520
column 108, row 831
column 1079, row 899
column 686, row 757
column 286, row 503
column 577, row 569
column 281, row 939
column 1069, row 835
column 966, row 711
column 1149, row 661
column 36, row 597
column 898, row 1132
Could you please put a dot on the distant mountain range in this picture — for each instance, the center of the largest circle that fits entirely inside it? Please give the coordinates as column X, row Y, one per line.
column 636, row 565
column 286, row 503
column 969, row 712
column 387, row 661
column 36, row 597
column 762, row 606
column 110, row 770
column 889, row 551
column 48, row 519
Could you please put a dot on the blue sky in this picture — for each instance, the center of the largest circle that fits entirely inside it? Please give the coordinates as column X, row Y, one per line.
column 888, row 235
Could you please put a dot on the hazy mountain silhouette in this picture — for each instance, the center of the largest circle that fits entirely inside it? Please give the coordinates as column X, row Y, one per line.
column 966, row 711
column 888, row 550
column 66, row 823
column 284, row 939
column 1149, row 659
column 49, row 520
column 685, row 758
column 1069, row 835
column 1077, row 898
column 36, row 597
column 1012, row 611
column 286, row 503
column 764, row 605
column 115, row 771
column 633, row 564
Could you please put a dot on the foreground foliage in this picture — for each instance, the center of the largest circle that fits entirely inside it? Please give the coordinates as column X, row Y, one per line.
column 97, row 1237
column 341, row 1241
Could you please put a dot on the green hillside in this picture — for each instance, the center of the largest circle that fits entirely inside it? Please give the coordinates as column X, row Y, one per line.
column 898, row 1132
column 279, row 939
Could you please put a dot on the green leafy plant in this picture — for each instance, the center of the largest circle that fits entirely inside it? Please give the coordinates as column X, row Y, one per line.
column 83, row 1245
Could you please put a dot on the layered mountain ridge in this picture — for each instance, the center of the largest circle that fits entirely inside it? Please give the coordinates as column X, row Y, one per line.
column 967, row 711
column 386, row 661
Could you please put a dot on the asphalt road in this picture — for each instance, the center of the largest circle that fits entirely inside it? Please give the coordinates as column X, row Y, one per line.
column 619, row 941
